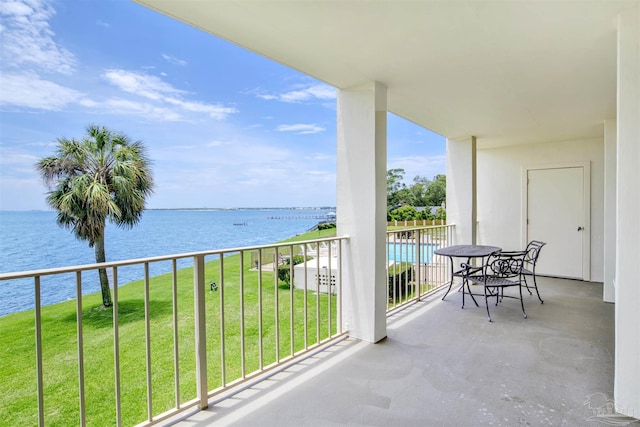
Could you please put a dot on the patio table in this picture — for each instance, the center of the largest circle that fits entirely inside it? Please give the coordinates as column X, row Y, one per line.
column 468, row 252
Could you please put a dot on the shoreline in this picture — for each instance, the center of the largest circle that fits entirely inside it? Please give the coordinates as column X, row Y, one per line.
column 33, row 241
column 299, row 236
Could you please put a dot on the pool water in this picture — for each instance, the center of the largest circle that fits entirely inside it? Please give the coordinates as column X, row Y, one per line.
column 406, row 252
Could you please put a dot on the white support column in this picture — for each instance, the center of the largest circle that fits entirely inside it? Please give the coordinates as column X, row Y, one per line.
column 627, row 351
column 362, row 207
column 610, row 161
column 461, row 188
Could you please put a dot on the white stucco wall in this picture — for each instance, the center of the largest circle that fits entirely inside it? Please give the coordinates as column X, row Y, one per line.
column 461, row 188
column 627, row 352
column 499, row 189
column 610, row 207
column 316, row 272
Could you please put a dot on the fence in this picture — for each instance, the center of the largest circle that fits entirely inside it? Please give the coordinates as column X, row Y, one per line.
column 413, row 267
column 169, row 342
column 417, row 223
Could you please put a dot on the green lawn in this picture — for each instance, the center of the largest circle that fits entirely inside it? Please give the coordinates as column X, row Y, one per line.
column 18, row 395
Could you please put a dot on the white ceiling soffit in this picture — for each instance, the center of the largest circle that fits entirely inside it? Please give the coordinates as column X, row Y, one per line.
column 507, row 72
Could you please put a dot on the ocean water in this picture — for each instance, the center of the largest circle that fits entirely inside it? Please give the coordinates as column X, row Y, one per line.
column 33, row 241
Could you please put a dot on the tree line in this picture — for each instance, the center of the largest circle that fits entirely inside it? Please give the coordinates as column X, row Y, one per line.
column 402, row 200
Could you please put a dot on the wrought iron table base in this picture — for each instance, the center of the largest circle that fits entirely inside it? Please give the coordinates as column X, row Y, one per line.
column 468, row 252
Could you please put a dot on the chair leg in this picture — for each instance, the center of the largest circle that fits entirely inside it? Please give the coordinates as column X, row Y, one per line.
column 486, row 303
column 524, row 277
column 522, row 302
column 535, row 284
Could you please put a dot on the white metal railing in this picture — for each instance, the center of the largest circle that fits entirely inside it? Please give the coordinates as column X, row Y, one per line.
column 413, row 268
column 246, row 320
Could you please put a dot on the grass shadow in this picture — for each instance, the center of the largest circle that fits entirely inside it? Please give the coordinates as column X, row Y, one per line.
column 129, row 311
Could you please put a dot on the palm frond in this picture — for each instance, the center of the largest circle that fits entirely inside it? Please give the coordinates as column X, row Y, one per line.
column 102, row 176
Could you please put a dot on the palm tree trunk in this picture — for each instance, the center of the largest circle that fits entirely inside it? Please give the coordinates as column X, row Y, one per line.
column 104, row 280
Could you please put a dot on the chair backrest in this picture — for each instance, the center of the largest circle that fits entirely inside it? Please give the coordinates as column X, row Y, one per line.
column 505, row 264
column 532, row 252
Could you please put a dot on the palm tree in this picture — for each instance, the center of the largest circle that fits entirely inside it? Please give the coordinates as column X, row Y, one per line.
column 102, row 177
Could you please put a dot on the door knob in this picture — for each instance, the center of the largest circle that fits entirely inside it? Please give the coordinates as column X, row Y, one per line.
column 580, row 228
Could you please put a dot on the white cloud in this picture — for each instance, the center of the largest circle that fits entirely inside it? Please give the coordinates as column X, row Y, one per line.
column 321, row 176
column 319, row 156
column 156, row 89
column 215, row 111
column 160, row 100
column 316, row 92
column 321, row 91
column 425, row 166
column 21, row 194
column 29, row 90
column 144, row 85
column 17, row 160
column 301, row 128
column 149, row 111
column 266, row 96
column 103, row 24
column 216, row 143
column 27, row 39
column 173, row 60
column 233, row 156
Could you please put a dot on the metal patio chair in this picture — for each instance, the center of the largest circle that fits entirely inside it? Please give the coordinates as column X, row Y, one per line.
column 530, row 261
column 502, row 270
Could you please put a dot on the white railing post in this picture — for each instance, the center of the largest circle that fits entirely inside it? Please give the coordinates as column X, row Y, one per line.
column 116, row 350
column 83, row 411
column 199, row 308
column 419, row 262
column 39, row 376
column 147, row 335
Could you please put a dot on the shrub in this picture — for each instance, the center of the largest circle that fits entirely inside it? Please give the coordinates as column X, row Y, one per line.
column 284, row 270
column 441, row 214
column 284, row 273
column 326, row 225
column 404, row 213
column 398, row 277
column 297, row 259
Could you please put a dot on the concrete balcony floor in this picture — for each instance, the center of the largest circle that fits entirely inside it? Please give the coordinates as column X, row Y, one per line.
column 443, row 366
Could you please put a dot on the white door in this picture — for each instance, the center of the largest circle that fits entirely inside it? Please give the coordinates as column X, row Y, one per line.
column 555, row 215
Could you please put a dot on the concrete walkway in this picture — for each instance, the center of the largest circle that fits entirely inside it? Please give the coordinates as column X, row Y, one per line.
column 443, row 366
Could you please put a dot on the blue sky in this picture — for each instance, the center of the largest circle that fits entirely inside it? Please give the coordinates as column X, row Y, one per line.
column 224, row 127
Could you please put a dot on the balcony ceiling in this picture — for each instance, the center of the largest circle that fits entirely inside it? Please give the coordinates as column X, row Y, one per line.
column 506, row 72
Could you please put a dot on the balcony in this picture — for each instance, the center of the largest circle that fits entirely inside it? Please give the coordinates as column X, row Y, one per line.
column 438, row 365
column 192, row 327
column 441, row 365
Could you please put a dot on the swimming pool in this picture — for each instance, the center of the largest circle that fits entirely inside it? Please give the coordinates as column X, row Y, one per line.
column 406, row 252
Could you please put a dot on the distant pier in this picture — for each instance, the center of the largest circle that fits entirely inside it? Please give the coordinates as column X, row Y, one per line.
column 299, row 217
